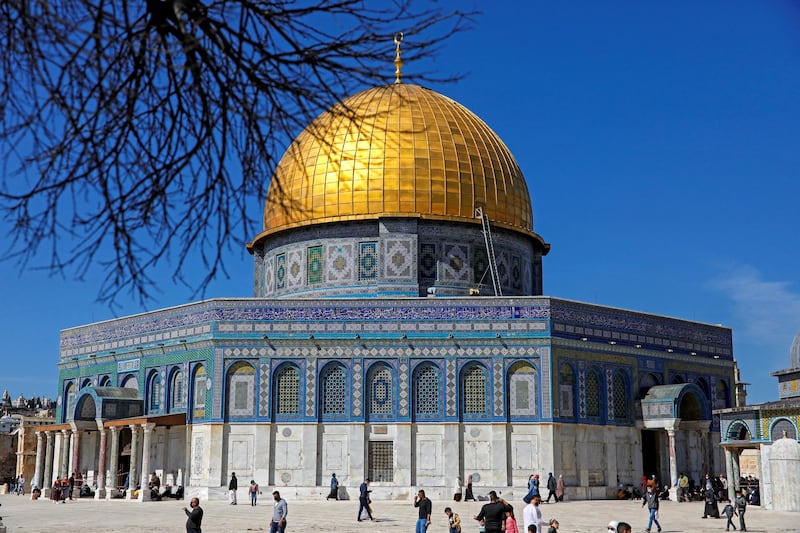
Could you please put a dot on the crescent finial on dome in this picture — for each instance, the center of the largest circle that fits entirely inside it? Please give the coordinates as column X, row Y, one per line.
column 398, row 63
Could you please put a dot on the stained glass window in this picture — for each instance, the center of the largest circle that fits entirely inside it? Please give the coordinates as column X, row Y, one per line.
column 380, row 391
column 426, row 391
column 288, row 391
column 333, row 390
column 474, row 391
column 592, row 394
column 621, row 404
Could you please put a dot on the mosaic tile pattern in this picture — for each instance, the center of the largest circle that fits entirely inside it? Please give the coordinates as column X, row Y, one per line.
column 546, row 393
column 280, row 271
column 427, row 261
column 581, row 390
column 455, row 264
column 621, row 401
column 358, row 399
column 368, row 261
column 503, row 267
column 311, row 371
column 450, row 387
column 498, row 389
column 522, row 390
column 480, row 265
column 399, row 259
column 516, row 272
column 315, row 265
column 592, row 394
column 263, row 393
column 296, row 268
column 403, row 388
column 340, row 263
column 269, row 278
column 609, row 399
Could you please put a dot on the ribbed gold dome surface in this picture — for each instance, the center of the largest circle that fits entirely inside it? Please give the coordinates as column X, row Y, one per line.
column 397, row 150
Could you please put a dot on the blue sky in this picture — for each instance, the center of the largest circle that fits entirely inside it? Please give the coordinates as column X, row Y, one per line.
column 661, row 144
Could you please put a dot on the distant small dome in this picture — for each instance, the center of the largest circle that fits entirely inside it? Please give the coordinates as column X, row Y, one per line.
column 794, row 353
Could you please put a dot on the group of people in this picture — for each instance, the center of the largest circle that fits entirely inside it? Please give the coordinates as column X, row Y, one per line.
column 277, row 524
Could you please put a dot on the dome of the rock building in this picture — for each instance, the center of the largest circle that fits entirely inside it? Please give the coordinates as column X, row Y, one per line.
column 397, row 150
column 378, row 197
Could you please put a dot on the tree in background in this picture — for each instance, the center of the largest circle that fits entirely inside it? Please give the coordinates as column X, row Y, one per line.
column 136, row 132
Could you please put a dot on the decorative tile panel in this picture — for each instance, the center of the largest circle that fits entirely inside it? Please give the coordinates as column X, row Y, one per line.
column 480, row 265
column 269, row 278
column 314, row 265
column 399, row 259
column 516, row 272
column 295, row 270
column 358, row 399
column 311, row 370
column 280, row 271
column 368, row 261
column 403, row 387
column 427, row 261
column 455, row 264
column 339, row 264
column 263, row 394
column 498, row 388
column 450, row 387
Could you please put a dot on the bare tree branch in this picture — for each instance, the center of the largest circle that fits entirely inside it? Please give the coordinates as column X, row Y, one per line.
column 143, row 129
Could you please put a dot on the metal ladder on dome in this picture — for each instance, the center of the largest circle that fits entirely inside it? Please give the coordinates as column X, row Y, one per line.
column 487, row 238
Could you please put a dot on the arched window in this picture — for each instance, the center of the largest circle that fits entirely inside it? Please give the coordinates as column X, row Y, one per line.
column 287, row 391
column 86, row 383
column 69, row 401
column 738, row 431
column 677, row 379
column 703, row 384
column 721, row 395
column 105, row 381
column 199, row 392
column 379, row 391
column 566, row 391
column 473, row 388
column 621, row 407
column 154, row 392
column 522, row 390
column 130, row 382
column 176, row 394
column 592, row 393
column 781, row 426
column 646, row 381
column 240, row 390
column 334, row 393
column 426, row 391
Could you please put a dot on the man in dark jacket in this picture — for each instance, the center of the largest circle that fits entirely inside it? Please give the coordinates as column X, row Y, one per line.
column 741, row 507
column 651, row 500
column 551, row 488
column 363, row 499
column 233, row 486
column 195, row 516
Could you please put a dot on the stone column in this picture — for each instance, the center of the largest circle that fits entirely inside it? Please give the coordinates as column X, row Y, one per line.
column 48, row 464
column 705, row 467
column 133, row 475
column 37, row 474
column 732, row 482
column 76, row 451
column 736, row 472
column 63, row 463
column 673, row 464
column 144, row 494
column 112, row 481
column 101, row 467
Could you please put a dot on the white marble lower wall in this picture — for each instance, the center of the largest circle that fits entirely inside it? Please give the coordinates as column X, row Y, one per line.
column 298, row 459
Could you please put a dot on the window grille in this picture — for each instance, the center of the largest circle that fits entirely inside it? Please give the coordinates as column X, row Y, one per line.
column 474, row 393
column 288, row 392
column 333, row 390
column 381, row 461
column 426, row 391
column 592, row 394
column 380, row 392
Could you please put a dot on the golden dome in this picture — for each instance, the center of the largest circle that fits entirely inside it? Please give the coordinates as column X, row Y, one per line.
column 397, row 151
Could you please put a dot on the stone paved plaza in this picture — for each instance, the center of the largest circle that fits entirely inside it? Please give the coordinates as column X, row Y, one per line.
column 22, row 514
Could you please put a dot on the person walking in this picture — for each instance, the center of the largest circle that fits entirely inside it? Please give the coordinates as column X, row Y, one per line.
column 453, row 521
column 511, row 522
column 551, row 488
column 741, row 507
column 532, row 514
column 651, row 500
column 279, row 512
column 253, row 490
column 233, row 486
column 195, row 516
column 710, row 509
column 492, row 514
column 363, row 500
column 334, row 493
column 71, row 484
column 560, row 488
column 21, row 485
column 424, row 505
column 729, row 511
